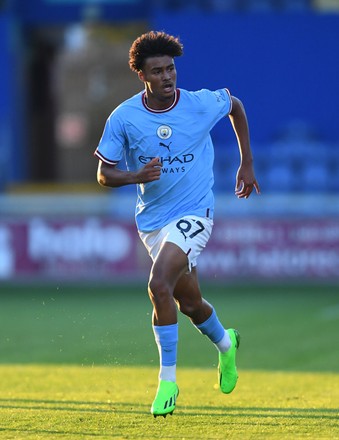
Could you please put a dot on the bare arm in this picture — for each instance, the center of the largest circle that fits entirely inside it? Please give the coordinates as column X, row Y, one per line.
column 245, row 180
column 109, row 175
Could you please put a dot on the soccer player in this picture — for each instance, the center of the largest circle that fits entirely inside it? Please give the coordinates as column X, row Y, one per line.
column 163, row 133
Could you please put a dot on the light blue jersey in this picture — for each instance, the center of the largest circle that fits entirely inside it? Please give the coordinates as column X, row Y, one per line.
column 180, row 137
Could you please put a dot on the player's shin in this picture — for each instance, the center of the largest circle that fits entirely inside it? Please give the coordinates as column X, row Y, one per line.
column 167, row 340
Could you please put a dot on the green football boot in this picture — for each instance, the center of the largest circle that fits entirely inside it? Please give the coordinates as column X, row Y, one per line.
column 165, row 399
column 227, row 370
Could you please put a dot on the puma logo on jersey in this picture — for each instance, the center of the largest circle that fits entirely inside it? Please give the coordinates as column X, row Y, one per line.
column 161, row 144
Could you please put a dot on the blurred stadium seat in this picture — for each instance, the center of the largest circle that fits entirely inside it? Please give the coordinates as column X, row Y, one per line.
column 235, row 5
column 315, row 177
column 279, row 177
column 283, row 166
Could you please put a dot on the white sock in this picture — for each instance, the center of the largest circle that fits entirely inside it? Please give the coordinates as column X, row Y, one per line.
column 225, row 343
column 167, row 373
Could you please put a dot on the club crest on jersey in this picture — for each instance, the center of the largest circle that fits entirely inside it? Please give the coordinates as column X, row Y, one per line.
column 164, row 132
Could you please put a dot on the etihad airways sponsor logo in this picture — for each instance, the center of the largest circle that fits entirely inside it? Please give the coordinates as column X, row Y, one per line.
column 171, row 164
column 169, row 160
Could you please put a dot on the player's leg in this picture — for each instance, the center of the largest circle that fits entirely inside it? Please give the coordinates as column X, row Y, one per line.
column 190, row 302
column 203, row 316
column 169, row 265
column 188, row 297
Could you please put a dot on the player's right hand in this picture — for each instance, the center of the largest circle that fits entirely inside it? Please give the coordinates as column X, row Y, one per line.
column 150, row 172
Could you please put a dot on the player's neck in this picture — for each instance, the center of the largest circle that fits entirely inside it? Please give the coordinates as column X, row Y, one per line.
column 154, row 103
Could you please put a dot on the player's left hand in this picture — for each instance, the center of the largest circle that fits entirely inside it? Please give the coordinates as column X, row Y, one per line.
column 245, row 182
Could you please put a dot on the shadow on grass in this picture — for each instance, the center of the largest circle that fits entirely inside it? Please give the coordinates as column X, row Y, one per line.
column 76, row 434
column 183, row 411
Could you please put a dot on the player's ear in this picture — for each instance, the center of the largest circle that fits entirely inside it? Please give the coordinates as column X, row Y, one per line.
column 141, row 76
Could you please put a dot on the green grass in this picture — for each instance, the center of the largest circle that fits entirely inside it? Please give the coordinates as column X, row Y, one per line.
column 282, row 327
column 77, row 403
column 80, row 362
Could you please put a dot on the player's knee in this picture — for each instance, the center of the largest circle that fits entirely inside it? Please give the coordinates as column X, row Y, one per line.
column 189, row 307
column 158, row 290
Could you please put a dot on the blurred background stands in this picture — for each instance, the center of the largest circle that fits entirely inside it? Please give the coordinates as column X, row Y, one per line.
column 236, row 5
column 65, row 79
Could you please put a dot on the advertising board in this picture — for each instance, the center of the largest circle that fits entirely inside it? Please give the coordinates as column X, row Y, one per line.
column 104, row 249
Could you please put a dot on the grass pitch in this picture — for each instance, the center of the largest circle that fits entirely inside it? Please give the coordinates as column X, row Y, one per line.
column 78, row 403
column 282, row 327
column 80, row 362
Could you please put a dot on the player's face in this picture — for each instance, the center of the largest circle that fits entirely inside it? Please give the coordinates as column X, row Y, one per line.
column 160, row 77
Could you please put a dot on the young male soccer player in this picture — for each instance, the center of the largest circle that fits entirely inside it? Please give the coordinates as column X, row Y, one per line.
column 164, row 134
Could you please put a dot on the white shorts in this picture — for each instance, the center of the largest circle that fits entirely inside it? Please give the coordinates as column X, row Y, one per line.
column 190, row 233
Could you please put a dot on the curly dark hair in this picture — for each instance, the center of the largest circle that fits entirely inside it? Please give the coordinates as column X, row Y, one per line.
column 153, row 44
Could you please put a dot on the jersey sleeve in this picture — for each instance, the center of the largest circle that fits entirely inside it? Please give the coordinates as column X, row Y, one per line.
column 221, row 98
column 213, row 105
column 228, row 98
column 112, row 143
